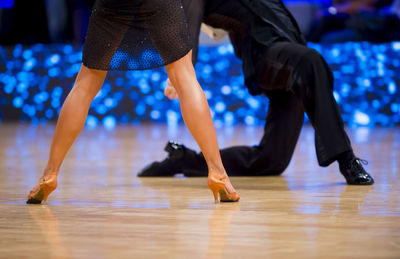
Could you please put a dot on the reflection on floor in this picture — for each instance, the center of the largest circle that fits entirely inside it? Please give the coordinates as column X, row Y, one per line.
column 101, row 209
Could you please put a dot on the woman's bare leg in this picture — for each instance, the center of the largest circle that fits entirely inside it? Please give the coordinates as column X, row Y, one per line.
column 196, row 114
column 73, row 115
column 70, row 123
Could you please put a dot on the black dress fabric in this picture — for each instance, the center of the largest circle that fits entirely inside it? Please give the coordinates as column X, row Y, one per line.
column 136, row 34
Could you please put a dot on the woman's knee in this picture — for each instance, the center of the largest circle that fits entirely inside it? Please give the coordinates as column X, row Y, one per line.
column 89, row 81
column 181, row 72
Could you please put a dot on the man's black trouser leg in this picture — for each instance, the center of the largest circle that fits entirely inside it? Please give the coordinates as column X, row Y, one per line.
column 271, row 157
column 304, row 72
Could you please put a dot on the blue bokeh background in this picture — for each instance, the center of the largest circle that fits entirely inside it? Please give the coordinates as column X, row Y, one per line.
column 34, row 81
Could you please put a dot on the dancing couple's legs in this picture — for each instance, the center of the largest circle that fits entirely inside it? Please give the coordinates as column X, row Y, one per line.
column 296, row 79
column 195, row 112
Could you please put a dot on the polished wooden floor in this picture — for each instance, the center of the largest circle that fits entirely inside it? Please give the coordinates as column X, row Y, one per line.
column 102, row 210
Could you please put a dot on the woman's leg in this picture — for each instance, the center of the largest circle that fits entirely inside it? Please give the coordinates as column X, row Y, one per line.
column 73, row 115
column 196, row 114
column 71, row 120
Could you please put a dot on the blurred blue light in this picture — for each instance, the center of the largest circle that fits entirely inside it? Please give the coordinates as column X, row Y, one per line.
column 336, row 96
column 29, row 64
column 394, row 107
column 22, row 87
column 57, row 92
column 29, row 110
column 41, row 97
column 159, row 95
column 49, row 114
column 345, row 89
column 91, row 122
column 396, row 46
column 118, row 96
column 220, row 107
column 67, row 49
column 367, row 82
column 150, row 100
column 24, row 76
column 229, row 118
column 249, row 120
column 52, row 60
column 55, row 103
column 361, row 118
column 376, row 104
column 335, row 52
column 18, row 101
column 253, row 103
column 109, row 102
column 348, row 69
column 27, row 54
column 204, row 57
column 172, row 117
column 144, row 86
column 207, row 69
column 155, row 115
column 226, row 89
column 221, row 65
column 155, row 77
column 17, row 51
column 140, row 109
column 101, row 109
column 109, row 122
column 392, row 88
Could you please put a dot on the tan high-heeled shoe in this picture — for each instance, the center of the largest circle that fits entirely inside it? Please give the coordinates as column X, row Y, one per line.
column 219, row 188
column 42, row 190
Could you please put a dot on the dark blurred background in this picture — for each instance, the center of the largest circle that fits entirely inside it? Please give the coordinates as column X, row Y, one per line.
column 44, row 21
column 65, row 21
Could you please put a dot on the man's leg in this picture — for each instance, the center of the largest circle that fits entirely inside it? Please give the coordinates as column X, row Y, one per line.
column 304, row 72
column 283, row 125
column 271, row 157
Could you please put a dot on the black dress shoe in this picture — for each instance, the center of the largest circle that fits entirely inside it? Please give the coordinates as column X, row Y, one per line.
column 354, row 172
column 169, row 166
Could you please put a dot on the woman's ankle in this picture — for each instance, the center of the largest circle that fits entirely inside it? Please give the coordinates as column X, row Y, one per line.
column 51, row 171
column 217, row 172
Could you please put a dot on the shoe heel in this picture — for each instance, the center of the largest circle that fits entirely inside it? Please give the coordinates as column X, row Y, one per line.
column 215, row 186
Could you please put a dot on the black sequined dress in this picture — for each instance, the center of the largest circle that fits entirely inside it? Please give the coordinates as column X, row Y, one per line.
column 136, row 34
